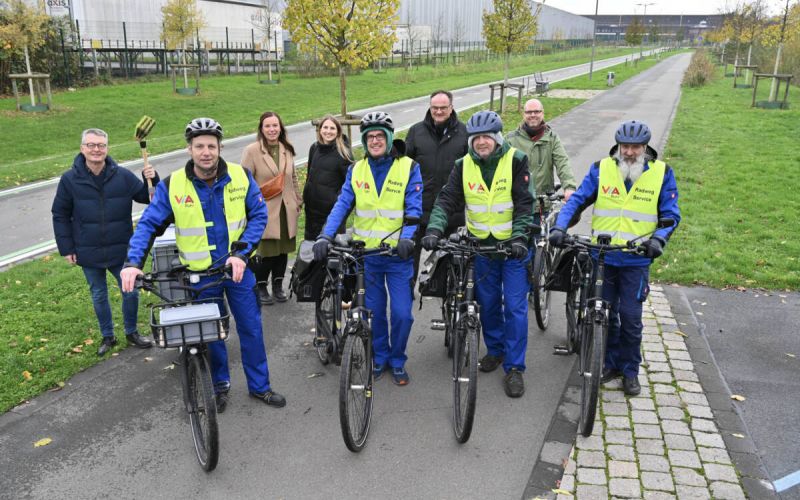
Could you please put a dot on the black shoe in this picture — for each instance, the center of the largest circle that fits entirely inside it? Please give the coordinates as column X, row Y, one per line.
column 490, row 363
column 610, row 374
column 222, row 401
column 264, row 296
column 277, row 292
column 139, row 341
column 513, row 384
column 630, row 385
column 106, row 345
column 271, row 398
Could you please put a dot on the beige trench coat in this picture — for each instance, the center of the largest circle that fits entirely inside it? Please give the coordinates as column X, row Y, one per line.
column 258, row 161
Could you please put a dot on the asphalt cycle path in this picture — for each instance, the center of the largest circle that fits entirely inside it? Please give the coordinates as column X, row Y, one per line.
column 118, row 429
column 26, row 221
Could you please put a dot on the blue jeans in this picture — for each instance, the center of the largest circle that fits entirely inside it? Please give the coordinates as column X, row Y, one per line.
column 96, row 277
column 394, row 274
column 625, row 288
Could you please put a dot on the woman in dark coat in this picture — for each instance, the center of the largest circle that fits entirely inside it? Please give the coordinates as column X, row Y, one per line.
column 328, row 161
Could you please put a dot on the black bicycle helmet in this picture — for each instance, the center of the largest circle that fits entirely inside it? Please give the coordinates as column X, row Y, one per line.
column 484, row 122
column 633, row 132
column 203, row 126
column 377, row 119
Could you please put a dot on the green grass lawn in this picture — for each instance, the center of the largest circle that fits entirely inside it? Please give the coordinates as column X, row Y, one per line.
column 40, row 146
column 736, row 168
column 48, row 313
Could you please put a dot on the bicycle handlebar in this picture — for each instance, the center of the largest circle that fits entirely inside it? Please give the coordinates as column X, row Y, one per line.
column 473, row 246
column 147, row 281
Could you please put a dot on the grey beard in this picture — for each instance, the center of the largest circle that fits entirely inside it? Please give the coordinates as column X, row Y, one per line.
column 631, row 171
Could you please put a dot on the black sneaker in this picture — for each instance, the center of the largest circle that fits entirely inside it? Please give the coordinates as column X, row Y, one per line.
column 271, row 398
column 264, row 296
column 221, row 395
column 139, row 341
column 513, row 383
column 277, row 292
column 610, row 374
column 106, row 345
column 490, row 363
column 630, row 385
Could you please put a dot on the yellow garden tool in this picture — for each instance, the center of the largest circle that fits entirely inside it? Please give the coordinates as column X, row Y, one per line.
column 143, row 127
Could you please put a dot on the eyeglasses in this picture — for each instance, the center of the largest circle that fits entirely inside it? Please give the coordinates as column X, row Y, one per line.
column 534, row 112
column 440, row 108
column 95, row 145
column 376, row 138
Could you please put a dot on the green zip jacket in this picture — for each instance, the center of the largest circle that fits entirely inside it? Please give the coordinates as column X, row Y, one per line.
column 544, row 156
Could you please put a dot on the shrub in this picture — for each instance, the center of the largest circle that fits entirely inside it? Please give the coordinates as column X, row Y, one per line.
column 700, row 71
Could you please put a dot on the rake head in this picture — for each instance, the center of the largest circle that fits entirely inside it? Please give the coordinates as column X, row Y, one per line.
column 143, row 127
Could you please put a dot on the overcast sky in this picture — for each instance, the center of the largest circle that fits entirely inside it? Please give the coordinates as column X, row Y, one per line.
column 657, row 7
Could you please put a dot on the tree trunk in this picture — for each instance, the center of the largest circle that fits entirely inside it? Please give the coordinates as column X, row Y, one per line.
column 773, row 89
column 30, row 80
column 185, row 75
column 505, row 82
column 343, row 99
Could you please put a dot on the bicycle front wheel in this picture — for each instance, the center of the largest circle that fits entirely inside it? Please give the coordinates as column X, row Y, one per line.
column 355, row 391
column 465, row 378
column 450, row 324
column 541, row 297
column 202, row 409
column 573, row 325
column 592, row 353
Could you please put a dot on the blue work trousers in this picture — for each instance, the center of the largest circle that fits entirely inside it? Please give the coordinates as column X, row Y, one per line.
column 502, row 292
column 245, row 308
column 394, row 274
column 98, row 287
column 625, row 288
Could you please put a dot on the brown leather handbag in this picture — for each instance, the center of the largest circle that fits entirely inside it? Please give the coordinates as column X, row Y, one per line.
column 273, row 187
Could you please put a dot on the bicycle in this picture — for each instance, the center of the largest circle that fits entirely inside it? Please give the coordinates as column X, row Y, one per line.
column 463, row 313
column 543, row 257
column 588, row 315
column 346, row 258
column 190, row 325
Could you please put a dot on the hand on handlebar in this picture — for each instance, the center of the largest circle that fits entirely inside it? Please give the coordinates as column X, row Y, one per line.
column 321, row 247
column 128, row 277
column 237, row 268
column 430, row 241
column 652, row 248
column 557, row 236
column 405, row 248
column 518, row 250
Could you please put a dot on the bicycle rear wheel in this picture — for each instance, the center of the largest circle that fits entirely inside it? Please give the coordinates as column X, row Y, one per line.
column 198, row 395
column 326, row 325
column 465, row 378
column 592, row 353
column 355, row 390
column 542, row 262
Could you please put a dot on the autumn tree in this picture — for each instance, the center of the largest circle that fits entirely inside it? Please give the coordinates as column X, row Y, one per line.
column 345, row 33
column 182, row 19
column 22, row 30
column 788, row 28
column 511, row 28
column 635, row 32
column 267, row 23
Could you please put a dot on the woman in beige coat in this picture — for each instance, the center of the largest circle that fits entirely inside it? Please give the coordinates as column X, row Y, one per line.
column 268, row 157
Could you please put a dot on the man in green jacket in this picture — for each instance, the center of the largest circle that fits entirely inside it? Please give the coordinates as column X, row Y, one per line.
column 546, row 154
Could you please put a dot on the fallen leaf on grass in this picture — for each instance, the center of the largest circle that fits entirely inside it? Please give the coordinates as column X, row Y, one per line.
column 18, row 282
column 27, row 375
column 42, row 442
column 44, row 340
column 737, row 435
column 77, row 349
column 88, row 341
column 738, row 397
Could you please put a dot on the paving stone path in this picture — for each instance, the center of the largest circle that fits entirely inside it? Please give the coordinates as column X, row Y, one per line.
column 663, row 444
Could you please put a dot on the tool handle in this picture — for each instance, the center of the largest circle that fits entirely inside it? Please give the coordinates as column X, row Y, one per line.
column 150, row 188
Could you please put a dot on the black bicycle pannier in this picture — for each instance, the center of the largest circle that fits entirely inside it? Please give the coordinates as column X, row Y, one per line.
column 433, row 278
column 308, row 275
column 560, row 278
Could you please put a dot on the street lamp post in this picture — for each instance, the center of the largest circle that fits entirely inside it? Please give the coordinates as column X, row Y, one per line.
column 594, row 37
column 644, row 21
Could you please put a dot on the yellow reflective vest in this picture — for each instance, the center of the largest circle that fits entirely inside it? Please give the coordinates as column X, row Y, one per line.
column 377, row 216
column 622, row 214
column 190, row 222
column 489, row 211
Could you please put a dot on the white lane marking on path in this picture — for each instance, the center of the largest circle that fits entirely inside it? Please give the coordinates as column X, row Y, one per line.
column 787, row 482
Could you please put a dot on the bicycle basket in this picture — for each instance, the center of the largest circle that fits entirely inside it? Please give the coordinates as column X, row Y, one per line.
column 189, row 323
column 433, row 279
column 308, row 275
column 560, row 277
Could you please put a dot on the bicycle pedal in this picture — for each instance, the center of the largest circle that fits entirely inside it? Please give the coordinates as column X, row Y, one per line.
column 320, row 341
column 561, row 350
column 437, row 324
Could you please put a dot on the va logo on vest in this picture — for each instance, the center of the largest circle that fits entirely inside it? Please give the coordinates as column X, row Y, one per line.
column 476, row 187
column 610, row 190
column 185, row 200
column 362, row 185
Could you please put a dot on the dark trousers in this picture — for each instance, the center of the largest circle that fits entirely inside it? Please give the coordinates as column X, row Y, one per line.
column 625, row 288
column 264, row 267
